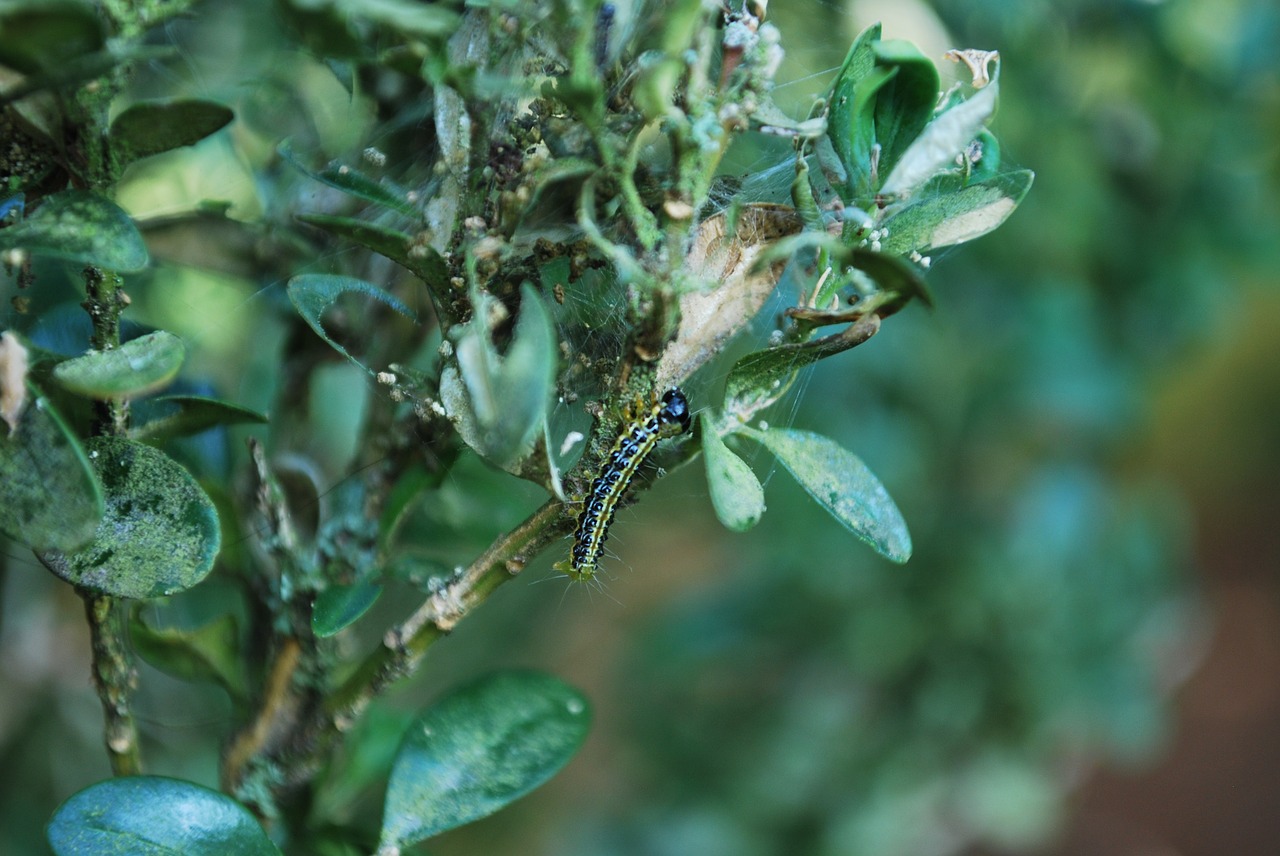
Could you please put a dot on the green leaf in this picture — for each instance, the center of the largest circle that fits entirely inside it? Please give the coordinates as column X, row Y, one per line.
column 192, row 414
column 947, row 136
column 50, row 497
column 858, row 63
column 313, row 293
column 155, row 816
column 736, row 493
column 409, row 17
column 137, row 367
column 892, row 274
column 81, row 227
column 851, row 123
column 414, row 255
column 479, row 749
column 499, row 402
column 904, row 106
column 356, row 183
column 363, row 761
column 207, row 653
column 404, row 495
column 955, row 216
column 843, row 485
column 37, row 35
column 152, row 127
column 341, row 605
column 759, row 379
column 160, row 532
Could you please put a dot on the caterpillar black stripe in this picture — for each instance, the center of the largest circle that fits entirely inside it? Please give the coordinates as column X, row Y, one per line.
column 668, row 418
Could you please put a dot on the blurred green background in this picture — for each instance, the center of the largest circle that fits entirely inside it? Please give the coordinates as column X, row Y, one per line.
column 1084, row 436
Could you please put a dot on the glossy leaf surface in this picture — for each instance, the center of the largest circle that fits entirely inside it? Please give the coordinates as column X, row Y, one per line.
column 341, row 605
column 155, row 816
column 478, row 749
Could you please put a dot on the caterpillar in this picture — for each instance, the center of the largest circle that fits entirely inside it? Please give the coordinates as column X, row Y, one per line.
column 669, row 417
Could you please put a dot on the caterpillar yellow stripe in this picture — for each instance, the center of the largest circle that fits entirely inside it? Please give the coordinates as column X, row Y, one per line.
column 669, row 417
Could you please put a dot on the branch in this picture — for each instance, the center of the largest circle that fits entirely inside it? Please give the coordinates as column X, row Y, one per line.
column 114, row 678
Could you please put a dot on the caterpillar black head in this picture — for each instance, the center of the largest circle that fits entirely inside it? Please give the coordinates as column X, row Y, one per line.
column 667, row 418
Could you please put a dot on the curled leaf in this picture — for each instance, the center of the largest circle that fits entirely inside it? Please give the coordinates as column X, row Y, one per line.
column 725, row 255
column 736, row 493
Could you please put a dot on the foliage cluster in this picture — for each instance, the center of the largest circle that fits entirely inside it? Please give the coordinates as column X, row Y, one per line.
column 544, row 197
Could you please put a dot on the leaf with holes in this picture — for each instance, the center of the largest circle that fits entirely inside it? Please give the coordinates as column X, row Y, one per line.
column 956, row 216
column 499, row 401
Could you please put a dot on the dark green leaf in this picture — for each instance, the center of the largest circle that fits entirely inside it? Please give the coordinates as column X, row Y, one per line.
column 499, row 402
column 137, row 367
column 37, row 35
column 356, row 183
column 904, row 106
column 758, row 380
column 192, row 414
column 894, row 275
column 207, row 653
column 414, row 255
column 313, row 293
column 363, row 761
column 81, row 69
column 155, row 816
column 341, row 605
column 844, row 126
column 736, row 493
column 955, row 216
column 50, row 497
column 159, row 535
column 152, row 127
column 843, row 485
column 404, row 495
column 82, row 227
column 479, row 749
